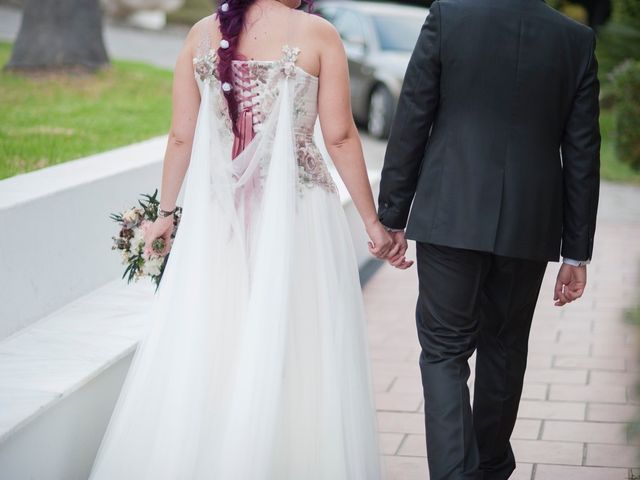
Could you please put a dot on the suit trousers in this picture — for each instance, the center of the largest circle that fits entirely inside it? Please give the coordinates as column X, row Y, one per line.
column 473, row 301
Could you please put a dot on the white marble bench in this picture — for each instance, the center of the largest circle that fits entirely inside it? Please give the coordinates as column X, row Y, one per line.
column 59, row 378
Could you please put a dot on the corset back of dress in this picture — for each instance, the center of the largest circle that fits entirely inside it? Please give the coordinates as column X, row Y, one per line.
column 256, row 88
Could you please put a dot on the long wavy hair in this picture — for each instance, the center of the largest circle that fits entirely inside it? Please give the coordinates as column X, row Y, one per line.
column 231, row 25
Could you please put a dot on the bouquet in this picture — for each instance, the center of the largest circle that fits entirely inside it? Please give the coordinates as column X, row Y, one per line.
column 142, row 260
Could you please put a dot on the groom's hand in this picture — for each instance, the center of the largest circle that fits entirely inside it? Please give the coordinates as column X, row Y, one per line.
column 570, row 284
column 397, row 258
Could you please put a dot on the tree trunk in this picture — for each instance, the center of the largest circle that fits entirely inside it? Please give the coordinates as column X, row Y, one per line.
column 59, row 35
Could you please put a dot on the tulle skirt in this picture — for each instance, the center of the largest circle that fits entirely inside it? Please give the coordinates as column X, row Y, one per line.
column 255, row 364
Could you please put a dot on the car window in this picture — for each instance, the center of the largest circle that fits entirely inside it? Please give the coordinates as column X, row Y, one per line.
column 397, row 32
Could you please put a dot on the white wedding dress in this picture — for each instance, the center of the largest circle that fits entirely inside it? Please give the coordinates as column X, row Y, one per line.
column 255, row 366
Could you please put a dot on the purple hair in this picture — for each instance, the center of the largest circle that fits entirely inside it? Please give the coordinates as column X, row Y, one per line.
column 231, row 24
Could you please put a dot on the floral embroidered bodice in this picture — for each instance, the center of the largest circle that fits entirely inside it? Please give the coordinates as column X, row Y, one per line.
column 255, row 85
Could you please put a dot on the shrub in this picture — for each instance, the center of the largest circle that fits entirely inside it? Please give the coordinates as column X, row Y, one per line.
column 626, row 87
column 624, row 10
column 619, row 39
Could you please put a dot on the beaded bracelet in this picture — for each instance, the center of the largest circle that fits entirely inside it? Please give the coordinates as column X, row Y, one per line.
column 166, row 213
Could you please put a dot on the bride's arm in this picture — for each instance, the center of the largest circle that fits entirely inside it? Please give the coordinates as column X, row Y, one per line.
column 341, row 135
column 185, row 106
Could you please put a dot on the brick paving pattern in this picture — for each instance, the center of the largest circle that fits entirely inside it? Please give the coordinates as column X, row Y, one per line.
column 579, row 389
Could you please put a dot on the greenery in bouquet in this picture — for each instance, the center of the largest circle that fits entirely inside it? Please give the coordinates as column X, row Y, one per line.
column 142, row 260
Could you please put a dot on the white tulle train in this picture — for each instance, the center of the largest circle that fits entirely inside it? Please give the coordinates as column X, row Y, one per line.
column 255, row 365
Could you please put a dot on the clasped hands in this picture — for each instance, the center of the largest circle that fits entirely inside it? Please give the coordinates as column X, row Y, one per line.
column 392, row 247
column 388, row 245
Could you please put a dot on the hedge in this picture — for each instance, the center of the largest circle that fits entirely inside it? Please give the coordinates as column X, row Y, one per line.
column 626, row 89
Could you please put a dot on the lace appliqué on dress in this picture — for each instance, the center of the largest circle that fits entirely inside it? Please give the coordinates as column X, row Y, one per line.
column 312, row 169
column 287, row 64
column 204, row 64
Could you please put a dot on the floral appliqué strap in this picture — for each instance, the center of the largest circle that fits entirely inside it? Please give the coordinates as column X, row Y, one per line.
column 288, row 60
column 205, row 63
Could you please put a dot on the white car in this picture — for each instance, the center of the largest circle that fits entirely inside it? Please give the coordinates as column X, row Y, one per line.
column 378, row 39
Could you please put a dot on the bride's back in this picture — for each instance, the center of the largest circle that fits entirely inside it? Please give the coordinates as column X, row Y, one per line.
column 268, row 25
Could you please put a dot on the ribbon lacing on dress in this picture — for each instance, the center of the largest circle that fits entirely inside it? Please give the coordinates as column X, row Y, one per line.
column 244, row 122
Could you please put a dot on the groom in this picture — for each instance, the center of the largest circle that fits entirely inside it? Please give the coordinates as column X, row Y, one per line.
column 496, row 143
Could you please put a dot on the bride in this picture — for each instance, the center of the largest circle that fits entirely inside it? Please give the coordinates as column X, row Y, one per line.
column 255, row 364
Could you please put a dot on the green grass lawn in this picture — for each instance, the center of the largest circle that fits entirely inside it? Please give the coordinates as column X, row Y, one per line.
column 51, row 120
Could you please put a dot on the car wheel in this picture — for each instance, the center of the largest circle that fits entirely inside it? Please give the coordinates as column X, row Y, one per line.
column 380, row 112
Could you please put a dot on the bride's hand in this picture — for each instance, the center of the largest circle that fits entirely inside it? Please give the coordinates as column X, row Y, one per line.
column 161, row 228
column 381, row 244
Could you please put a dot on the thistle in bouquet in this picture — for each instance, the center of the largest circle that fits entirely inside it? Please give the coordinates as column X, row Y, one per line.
column 143, row 260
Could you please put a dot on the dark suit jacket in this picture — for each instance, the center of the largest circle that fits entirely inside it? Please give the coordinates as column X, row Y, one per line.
column 496, row 133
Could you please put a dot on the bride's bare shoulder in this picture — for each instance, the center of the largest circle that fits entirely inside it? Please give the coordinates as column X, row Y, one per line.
column 206, row 22
column 319, row 35
column 203, row 33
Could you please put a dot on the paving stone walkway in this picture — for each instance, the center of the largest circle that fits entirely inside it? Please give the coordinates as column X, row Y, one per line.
column 579, row 391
